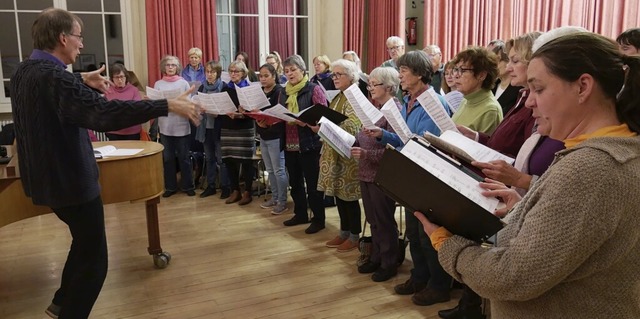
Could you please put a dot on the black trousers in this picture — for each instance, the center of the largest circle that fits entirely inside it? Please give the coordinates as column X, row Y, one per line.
column 248, row 172
column 303, row 168
column 120, row 137
column 86, row 267
column 349, row 212
column 380, row 212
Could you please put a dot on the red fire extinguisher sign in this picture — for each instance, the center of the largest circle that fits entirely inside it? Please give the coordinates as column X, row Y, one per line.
column 412, row 31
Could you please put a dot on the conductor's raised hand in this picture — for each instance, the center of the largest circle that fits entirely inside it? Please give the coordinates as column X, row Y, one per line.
column 185, row 107
column 95, row 80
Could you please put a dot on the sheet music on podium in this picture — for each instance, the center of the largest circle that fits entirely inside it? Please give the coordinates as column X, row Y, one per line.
column 339, row 139
column 365, row 111
column 393, row 116
column 423, row 179
column 252, row 98
column 154, row 94
column 432, row 105
column 216, row 103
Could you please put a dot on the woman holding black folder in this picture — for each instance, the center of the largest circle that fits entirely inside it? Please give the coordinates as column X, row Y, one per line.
column 570, row 246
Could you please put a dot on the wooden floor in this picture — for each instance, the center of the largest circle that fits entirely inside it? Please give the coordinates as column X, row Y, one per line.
column 228, row 262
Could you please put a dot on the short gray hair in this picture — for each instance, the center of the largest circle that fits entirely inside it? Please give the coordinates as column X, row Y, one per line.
column 297, row 61
column 163, row 64
column 395, row 40
column 433, row 49
column 353, row 55
column 419, row 64
column 350, row 67
column 387, row 76
column 240, row 66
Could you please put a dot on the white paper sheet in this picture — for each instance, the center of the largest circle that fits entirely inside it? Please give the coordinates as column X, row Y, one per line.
column 393, row 116
column 252, row 98
column 432, row 105
column 154, row 94
column 479, row 152
column 280, row 112
column 449, row 174
column 110, row 150
column 365, row 111
column 339, row 139
column 216, row 103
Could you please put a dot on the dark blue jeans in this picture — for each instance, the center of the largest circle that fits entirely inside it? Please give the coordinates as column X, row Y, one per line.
column 176, row 147
column 86, row 267
column 426, row 267
column 303, row 168
column 213, row 156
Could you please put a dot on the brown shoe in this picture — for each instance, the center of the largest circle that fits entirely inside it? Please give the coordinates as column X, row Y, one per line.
column 246, row 198
column 428, row 297
column 234, row 197
column 334, row 243
column 348, row 245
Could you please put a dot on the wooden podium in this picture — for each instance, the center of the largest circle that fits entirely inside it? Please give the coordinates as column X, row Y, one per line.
column 136, row 178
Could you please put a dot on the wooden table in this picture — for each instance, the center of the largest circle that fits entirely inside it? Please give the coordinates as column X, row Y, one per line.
column 135, row 178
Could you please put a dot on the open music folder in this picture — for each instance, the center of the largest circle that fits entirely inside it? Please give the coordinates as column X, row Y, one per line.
column 422, row 178
column 313, row 114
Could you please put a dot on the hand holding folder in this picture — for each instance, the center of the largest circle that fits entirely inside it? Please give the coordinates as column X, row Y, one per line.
column 423, row 179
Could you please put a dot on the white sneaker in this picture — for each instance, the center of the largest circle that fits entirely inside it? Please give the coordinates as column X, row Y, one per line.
column 269, row 204
column 279, row 209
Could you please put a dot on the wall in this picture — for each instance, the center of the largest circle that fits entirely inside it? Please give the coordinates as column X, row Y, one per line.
column 417, row 12
column 327, row 38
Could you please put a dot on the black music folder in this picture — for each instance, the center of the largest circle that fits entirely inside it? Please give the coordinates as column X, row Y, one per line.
column 408, row 183
column 313, row 114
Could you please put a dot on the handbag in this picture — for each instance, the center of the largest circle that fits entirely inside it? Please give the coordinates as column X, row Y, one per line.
column 364, row 246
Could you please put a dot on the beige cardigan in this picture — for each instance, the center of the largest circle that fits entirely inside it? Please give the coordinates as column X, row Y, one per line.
column 571, row 248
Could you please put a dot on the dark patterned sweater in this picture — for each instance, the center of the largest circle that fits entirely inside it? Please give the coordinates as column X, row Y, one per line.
column 52, row 110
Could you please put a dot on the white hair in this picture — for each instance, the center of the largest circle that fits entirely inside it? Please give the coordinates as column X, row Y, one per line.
column 554, row 34
column 349, row 67
column 394, row 40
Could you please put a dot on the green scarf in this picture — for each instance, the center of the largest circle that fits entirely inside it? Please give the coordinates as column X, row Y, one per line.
column 292, row 93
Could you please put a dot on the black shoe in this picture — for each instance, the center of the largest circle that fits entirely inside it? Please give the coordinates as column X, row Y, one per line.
column 368, row 267
column 383, row 274
column 457, row 313
column 225, row 193
column 191, row 192
column 314, row 228
column 295, row 221
column 168, row 193
column 208, row 192
column 428, row 297
column 409, row 287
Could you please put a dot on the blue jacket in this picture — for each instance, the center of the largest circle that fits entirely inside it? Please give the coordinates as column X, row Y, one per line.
column 191, row 75
column 418, row 121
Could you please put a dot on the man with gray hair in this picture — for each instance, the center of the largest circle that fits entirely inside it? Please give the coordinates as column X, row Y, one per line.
column 395, row 47
column 435, row 55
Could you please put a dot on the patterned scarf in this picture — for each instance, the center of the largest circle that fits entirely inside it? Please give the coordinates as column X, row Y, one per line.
column 292, row 93
column 215, row 87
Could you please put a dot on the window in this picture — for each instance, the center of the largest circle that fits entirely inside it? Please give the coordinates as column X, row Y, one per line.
column 282, row 26
column 102, row 33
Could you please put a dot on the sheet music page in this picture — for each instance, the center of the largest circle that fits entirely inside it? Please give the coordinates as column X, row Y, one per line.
column 449, row 174
column 339, row 139
column 431, row 103
column 393, row 116
column 331, row 94
column 172, row 94
column 252, row 98
column 154, row 94
column 365, row 111
column 217, row 103
column 280, row 112
column 479, row 152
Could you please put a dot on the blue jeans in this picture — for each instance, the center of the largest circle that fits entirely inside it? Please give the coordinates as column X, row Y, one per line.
column 176, row 146
column 213, row 156
column 273, row 159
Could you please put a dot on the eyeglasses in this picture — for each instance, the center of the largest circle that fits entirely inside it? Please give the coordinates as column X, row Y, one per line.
column 395, row 48
column 171, row 65
column 235, row 71
column 457, row 72
column 210, row 72
column 336, row 75
column 119, row 77
column 81, row 38
column 370, row 87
